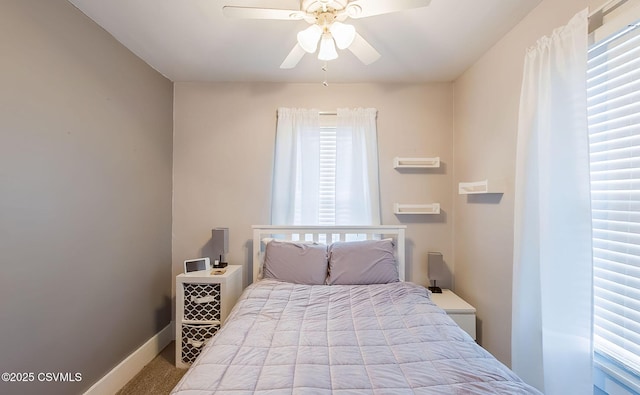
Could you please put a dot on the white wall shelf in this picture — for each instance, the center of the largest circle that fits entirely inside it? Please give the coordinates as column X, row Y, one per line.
column 416, row 163
column 478, row 187
column 433, row 208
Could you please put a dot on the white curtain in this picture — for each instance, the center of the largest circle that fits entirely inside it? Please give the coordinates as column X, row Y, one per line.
column 296, row 175
column 296, row 179
column 552, row 283
column 357, row 186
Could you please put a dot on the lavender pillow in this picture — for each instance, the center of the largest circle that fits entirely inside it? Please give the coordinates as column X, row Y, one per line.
column 362, row 262
column 296, row 262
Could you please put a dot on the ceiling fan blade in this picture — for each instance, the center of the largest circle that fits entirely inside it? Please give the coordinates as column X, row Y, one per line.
column 363, row 50
column 364, row 8
column 262, row 13
column 293, row 58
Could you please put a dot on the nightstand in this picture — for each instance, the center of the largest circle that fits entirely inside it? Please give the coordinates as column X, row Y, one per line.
column 203, row 302
column 460, row 311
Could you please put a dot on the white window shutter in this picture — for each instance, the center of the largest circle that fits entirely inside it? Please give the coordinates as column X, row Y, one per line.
column 614, row 132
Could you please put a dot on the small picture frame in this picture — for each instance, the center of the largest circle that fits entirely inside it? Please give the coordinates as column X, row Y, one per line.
column 194, row 265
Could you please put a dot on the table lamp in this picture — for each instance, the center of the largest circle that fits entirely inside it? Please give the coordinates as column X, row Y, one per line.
column 220, row 237
column 437, row 270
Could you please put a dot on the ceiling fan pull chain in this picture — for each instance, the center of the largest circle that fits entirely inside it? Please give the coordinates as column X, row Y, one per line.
column 324, row 70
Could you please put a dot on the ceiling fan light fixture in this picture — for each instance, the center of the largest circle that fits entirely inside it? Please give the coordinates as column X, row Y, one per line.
column 354, row 10
column 296, row 15
column 343, row 34
column 327, row 48
column 309, row 37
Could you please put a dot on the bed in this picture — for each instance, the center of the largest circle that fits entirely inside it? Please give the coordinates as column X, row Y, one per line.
column 352, row 326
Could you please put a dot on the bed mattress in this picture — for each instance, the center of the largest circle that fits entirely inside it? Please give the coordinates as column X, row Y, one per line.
column 365, row 339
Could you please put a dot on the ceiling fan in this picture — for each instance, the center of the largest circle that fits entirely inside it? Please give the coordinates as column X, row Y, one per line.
column 326, row 25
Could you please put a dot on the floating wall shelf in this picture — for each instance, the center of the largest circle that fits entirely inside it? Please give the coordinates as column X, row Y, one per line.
column 433, row 208
column 477, row 187
column 416, row 163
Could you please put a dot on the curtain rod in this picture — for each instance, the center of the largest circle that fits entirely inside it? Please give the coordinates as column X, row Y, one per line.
column 596, row 17
column 605, row 5
column 322, row 113
column 335, row 113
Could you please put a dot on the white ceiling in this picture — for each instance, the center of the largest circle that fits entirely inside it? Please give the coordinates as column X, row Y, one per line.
column 190, row 40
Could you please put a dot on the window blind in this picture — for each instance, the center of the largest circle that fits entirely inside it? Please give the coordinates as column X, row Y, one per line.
column 327, row 190
column 613, row 87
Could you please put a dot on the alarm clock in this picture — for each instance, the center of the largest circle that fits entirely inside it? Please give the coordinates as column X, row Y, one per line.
column 194, row 265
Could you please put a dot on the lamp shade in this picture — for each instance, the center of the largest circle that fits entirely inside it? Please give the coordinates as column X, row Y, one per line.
column 309, row 37
column 327, row 48
column 220, row 239
column 436, row 267
column 343, row 34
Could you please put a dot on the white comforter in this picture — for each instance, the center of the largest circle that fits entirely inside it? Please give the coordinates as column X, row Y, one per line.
column 284, row 338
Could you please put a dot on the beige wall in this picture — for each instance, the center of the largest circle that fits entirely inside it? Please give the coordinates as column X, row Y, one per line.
column 223, row 157
column 486, row 120
column 85, row 197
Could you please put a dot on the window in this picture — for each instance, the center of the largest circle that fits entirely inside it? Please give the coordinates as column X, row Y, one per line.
column 613, row 88
column 326, row 214
column 326, row 168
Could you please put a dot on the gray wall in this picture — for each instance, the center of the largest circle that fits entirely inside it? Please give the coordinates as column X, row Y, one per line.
column 85, row 196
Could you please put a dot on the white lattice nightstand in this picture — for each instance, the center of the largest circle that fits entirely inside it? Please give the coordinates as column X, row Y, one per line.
column 460, row 311
column 203, row 302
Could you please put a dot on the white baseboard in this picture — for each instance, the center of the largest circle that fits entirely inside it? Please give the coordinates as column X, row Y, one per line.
column 113, row 381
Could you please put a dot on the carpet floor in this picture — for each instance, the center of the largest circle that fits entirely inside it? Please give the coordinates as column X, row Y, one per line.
column 158, row 377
